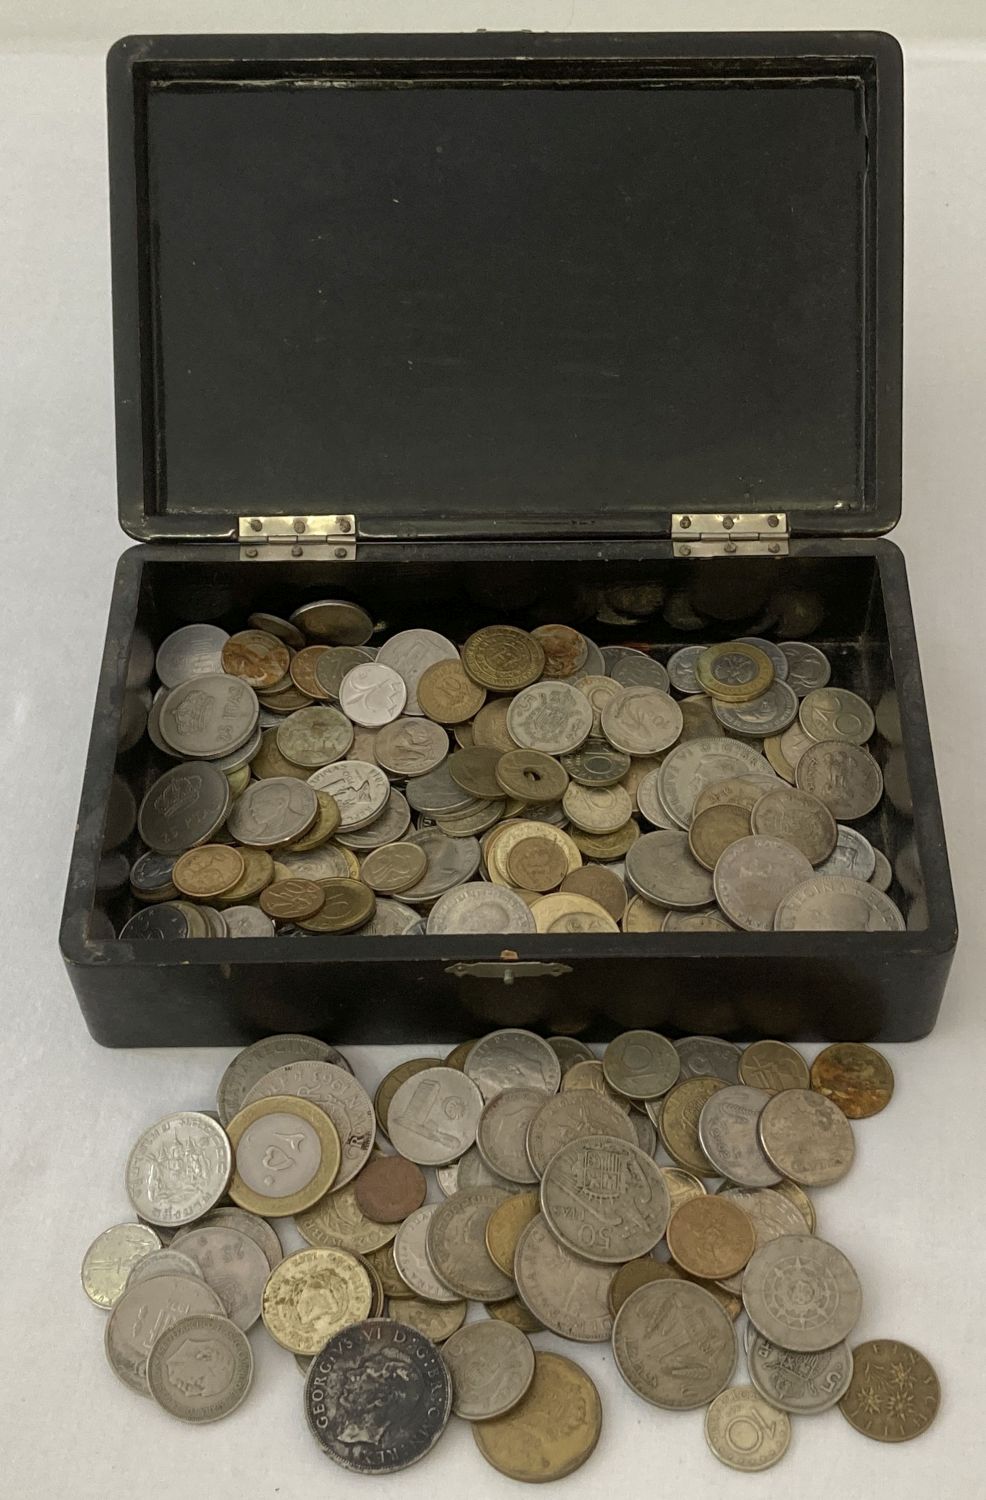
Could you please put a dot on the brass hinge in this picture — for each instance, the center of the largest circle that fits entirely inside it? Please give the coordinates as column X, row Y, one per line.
column 730, row 534
column 272, row 538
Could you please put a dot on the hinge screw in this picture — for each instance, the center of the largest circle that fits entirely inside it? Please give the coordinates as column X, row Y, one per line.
column 256, row 525
column 251, row 552
column 730, row 547
column 727, row 522
column 345, row 524
column 298, row 525
column 685, row 522
column 340, row 552
column 774, row 547
column 297, row 551
column 685, row 550
column 773, row 521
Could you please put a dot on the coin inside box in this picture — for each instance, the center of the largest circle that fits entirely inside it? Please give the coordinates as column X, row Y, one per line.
column 603, row 330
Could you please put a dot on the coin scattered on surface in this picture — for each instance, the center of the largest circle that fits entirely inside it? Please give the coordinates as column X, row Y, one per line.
column 110, row 1259
column 744, row 1431
column 806, row 1137
column 710, row 1237
column 491, row 1366
column 894, row 1393
column 551, row 1431
column 389, row 1188
column 200, row 1368
column 286, row 1156
column 855, row 1077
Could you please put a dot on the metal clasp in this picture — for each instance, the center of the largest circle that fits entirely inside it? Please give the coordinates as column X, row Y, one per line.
column 508, row 972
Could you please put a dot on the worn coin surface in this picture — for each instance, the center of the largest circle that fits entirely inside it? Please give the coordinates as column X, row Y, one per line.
column 551, row 717
column 273, row 812
column 480, row 906
column 448, row 694
column 806, row 1137
column 551, row 1431
column 711, row 1237
column 178, row 1169
column 287, row 1155
column 808, row 668
column 842, row 775
column 831, row 713
column 799, row 1383
column 661, row 867
column 410, row 747
column 802, row 1293
column 855, row 1077
column 210, row 870
column 570, row 1116
column 568, row 1294
column 689, row 768
column 392, row 1081
column 164, row 1262
column 256, row 1061
column 208, row 716
column 436, row 1320
column 773, row 1066
column 347, row 904
column 190, row 651
column 641, row 1064
column 727, row 1131
column 798, row 819
column 201, row 1368
column 451, row 861
column 335, row 620
column 491, row 1365
column 410, row 653
column 252, row 1225
column 311, row 1295
column 393, row 868
column 112, row 1256
column 247, row 921
column 894, row 1393
column 512, row 1058
column 143, row 1313
column 411, row 1258
column 293, row 899
column 360, row 790
column 314, row 737
column 837, row 903
column 372, row 694
column 604, row 1199
column 752, row 878
column 769, row 714
column 184, row 807
column 456, row 1246
column 433, row 1116
column 513, row 1311
column 714, row 829
column 536, row 864
column 707, row 1056
column 673, row 1344
column 501, row 1135
column 340, row 1096
column 257, row 657
column 503, row 658
column 389, row 1188
column 744, row 1431
column 853, row 855
column 635, row 1273
column 771, row 1215
column 506, row 1224
column 234, row 1266
column 641, row 720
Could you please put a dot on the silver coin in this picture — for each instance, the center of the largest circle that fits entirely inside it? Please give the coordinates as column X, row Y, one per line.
column 362, row 791
column 456, row 1246
column 501, row 1135
column 437, row 794
column 797, row 818
column 110, row 1259
column 335, row 620
column 512, row 1058
column 166, row 920
column 605, row 1199
column 882, row 877
column 373, row 694
column 708, row 1056
column 272, row 812
column 596, row 763
column 641, row 1064
column 661, row 868
column 569, row 1050
column 184, row 807
column 753, row 876
column 598, row 690
column 388, row 828
column 198, row 927
column 777, row 658
column 802, row 1293
column 727, row 1133
column 472, row 1172
column 843, row 776
column 339, row 1095
column 333, row 664
column 799, row 1383
column 451, row 861
column 233, row 1265
column 143, row 1314
column 641, row 671
column 480, row 907
column 831, row 713
column 274, row 625
column 594, row 664
column 708, row 919
column 808, row 668
column 491, row 1365
column 853, row 855
column 179, row 1169
column 252, row 1225
column 247, row 921
column 771, row 713
column 191, row 651
column 411, row 1260
column 745, row 1432
column 552, row 717
column 237, row 759
column 566, row 1293
column 569, row 1117
column 164, row 1262
column 475, row 819
column 806, row 1137
column 201, row 1368
column 215, row 920
column 837, row 903
column 411, row 747
column 209, row 716
column 259, row 1059
column 448, row 1178
column 644, row 1130
column 390, row 919
column 655, row 1336
column 326, row 863
column 689, row 768
column 315, row 736
column 649, row 802
column 772, row 1215
column 433, row 1116
column 641, row 721
column 410, row 654
column 613, row 654
column 681, row 669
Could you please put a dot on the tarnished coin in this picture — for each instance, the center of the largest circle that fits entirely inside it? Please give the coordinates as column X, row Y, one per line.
column 410, row 747
column 208, row 716
column 512, row 1058
column 433, row 1116
column 392, row 919
column 164, row 1262
column 855, row 1077
column 883, row 875
column 287, row 1155
column 191, row 651
column 337, row 1094
column 505, row 1226
column 551, row 717
column 150, row 877
column 837, row 903
column 179, row 1169
column 599, row 885
column 806, row 1137
column 769, row 714
column 531, row 776
column 551, row 1431
column 372, row 694
column 569, row 1050
column 436, row 1320
column 604, row 1199
column 797, row 1195
column 448, row 694
column 661, row 867
column 336, row 620
column 853, row 855
column 711, row 1237
column 735, row 791
column 329, row 666
column 798, row 819
column 314, row 737
column 589, row 1075
column 456, row 1246
column 567, row 1293
column 256, row 657
column 269, row 760
column 682, row 1186
column 565, row 650
column 713, row 830
column 303, row 672
column 799, row 1383
column 681, row 669
column 513, row 1311
column 503, row 658
column 636, row 1273
column 771, row 1215
column 184, row 807
column 290, row 900
column 745, row 1432
column 411, row 1258
column 499, row 845
column 734, row 672
column 727, row 1132
column 640, row 1064
column 389, row 1188
column 210, row 870
column 641, row 721
column 830, row 713
column 107, row 1264
column 606, row 846
column 689, row 768
column 571, row 1116
column 252, row 1225
column 451, row 862
column 708, row 919
column 597, row 764
column 311, row 1295
column 537, row 864
column 388, row 827
column 347, row 904
column 808, row 668
column 168, row 919
column 597, row 809
column 490, row 726
column 652, row 1329
column 802, row 1293
column 143, row 1314
column 639, row 670
column 894, row 1393
column 773, row 1066
column 393, row 868
column 644, row 916
column 491, row 1365
column 842, row 775
column 752, row 878
column 360, row 790
column 201, row 1368
column 480, row 907
column 234, row 1266
column 501, row 1135
column 273, row 812
column 338, row 1222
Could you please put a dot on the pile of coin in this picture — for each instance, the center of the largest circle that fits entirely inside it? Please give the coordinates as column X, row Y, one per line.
column 548, row 1209
column 525, row 782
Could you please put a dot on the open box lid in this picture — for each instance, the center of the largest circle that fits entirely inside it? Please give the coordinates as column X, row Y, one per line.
column 507, row 285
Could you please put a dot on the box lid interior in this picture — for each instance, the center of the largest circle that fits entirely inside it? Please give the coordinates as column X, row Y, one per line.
column 492, row 285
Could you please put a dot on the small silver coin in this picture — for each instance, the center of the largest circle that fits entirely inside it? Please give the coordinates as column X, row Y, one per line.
column 745, row 1432
column 570, row 1116
column 339, row 1095
column 512, row 1058
column 373, row 694
column 641, row 721
column 837, row 903
column 806, row 1137
column 179, row 1169
column 641, row 1064
column 410, row 654
column 259, row 1059
column 708, row 1056
column 690, row 767
column 164, row 1262
column 388, row 828
column 391, row 919
column 143, row 1314
column 501, row 1135
column 661, row 867
column 480, row 907
column 491, row 1365
column 883, row 875
column 411, row 747
column 808, row 668
column 802, row 1384
column 247, row 921
column 645, row 1132
column 613, row 654
column 209, row 716
column 166, row 920
column 433, row 1116
column 233, row 1265
column 660, row 1323
column 334, row 620
column 641, row 671
column 456, row 1246
column 552, row 717
column 437, row 794
column 853, row 855
column 753, row 876
column 681, row 669
column 566, row 1293
column 771, row 713
column 411, row 1259
column 802, row 1293
column 272, row 812
column 184, row 807
column 111, row 1258
column 316, row 736
column 778, row 659
column 150, row 875
column 831, row 713
column 727, row 1133
column 191, row 651
column 201, row 1368
column 605, row 1199
column 362, row 791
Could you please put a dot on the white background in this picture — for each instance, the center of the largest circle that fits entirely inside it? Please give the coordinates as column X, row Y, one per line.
column 911, row 1215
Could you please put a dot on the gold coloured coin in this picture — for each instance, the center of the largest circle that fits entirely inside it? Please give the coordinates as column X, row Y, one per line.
column 734, row 791
column 286, row 1156
column 382, row 1262
column 531, row 776
column 795, row 1193
column 348, row 904
column 676, row 1118
column 599, row 885
column 551, row 1431
column 238, row 780
column 855, row 1077
column 503, row 658
column 698, row 719
column 311, row 1295
column 551, row 908
column 327, row 821
column 269, row 762
column 292, row 899
column 644, row 916
column 734, row 672
column 258, row 872
column 773, row 748
column 436, row 1320
column 711, row 1237
column 448, row 694
column 259, row 659
column 392, row 1081
column 512, row 1310
column 338, row 1222
column 714, row 830
column 210, row 870
column 474, row 770
column 284, row 701
column 504, row 1226
column 589, row 1075
column 536, row 864
column 606, row 846
column 681, row 1185
column 772, row 1066
column 507, row 837
column 456, row 1058
column 489, row 727
column 393, row 868
column 303, row 675
column 599, row 810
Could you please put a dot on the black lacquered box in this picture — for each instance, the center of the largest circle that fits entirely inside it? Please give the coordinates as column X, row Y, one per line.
column 511, row 328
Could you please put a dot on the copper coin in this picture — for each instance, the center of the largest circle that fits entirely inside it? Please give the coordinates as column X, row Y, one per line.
column 290, row 900
column 447, row 694
column 348, row 904
column 601, row 886
column 635, row 1273
column 855, row 1077
column 711, row 1237
column 393, row 868
column 303, row 665
column 389, row 1188
column 537, row 864
column 258, row 658
column 714, row 830
column 209, row 870
column 565, row 650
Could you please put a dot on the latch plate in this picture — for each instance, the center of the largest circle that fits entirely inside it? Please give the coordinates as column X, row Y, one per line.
column 274, row 538
column 730, row 534
column 510, row 971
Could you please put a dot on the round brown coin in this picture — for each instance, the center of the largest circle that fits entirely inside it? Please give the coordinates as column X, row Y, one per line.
column 855, row 1077
column 389, row 1188
column 711, row 1237
column 894, row 1394
column 512, row 1310
column 676, row 1118
column 565, row 650
column 393, row 868
column 448, row 694
column 347, row 905
column 599, row 885
column 457, row 1056
column 715, row 829
column 503, row 658
column 772, row 1066
column 290, row 900
column 551, row 1431
column 636, row 1273
column 269, row 762
column 210, row 870
column 504, row 1227
column 303, row 673
column 531, row 776
column 537, row 864
column 261, row 660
